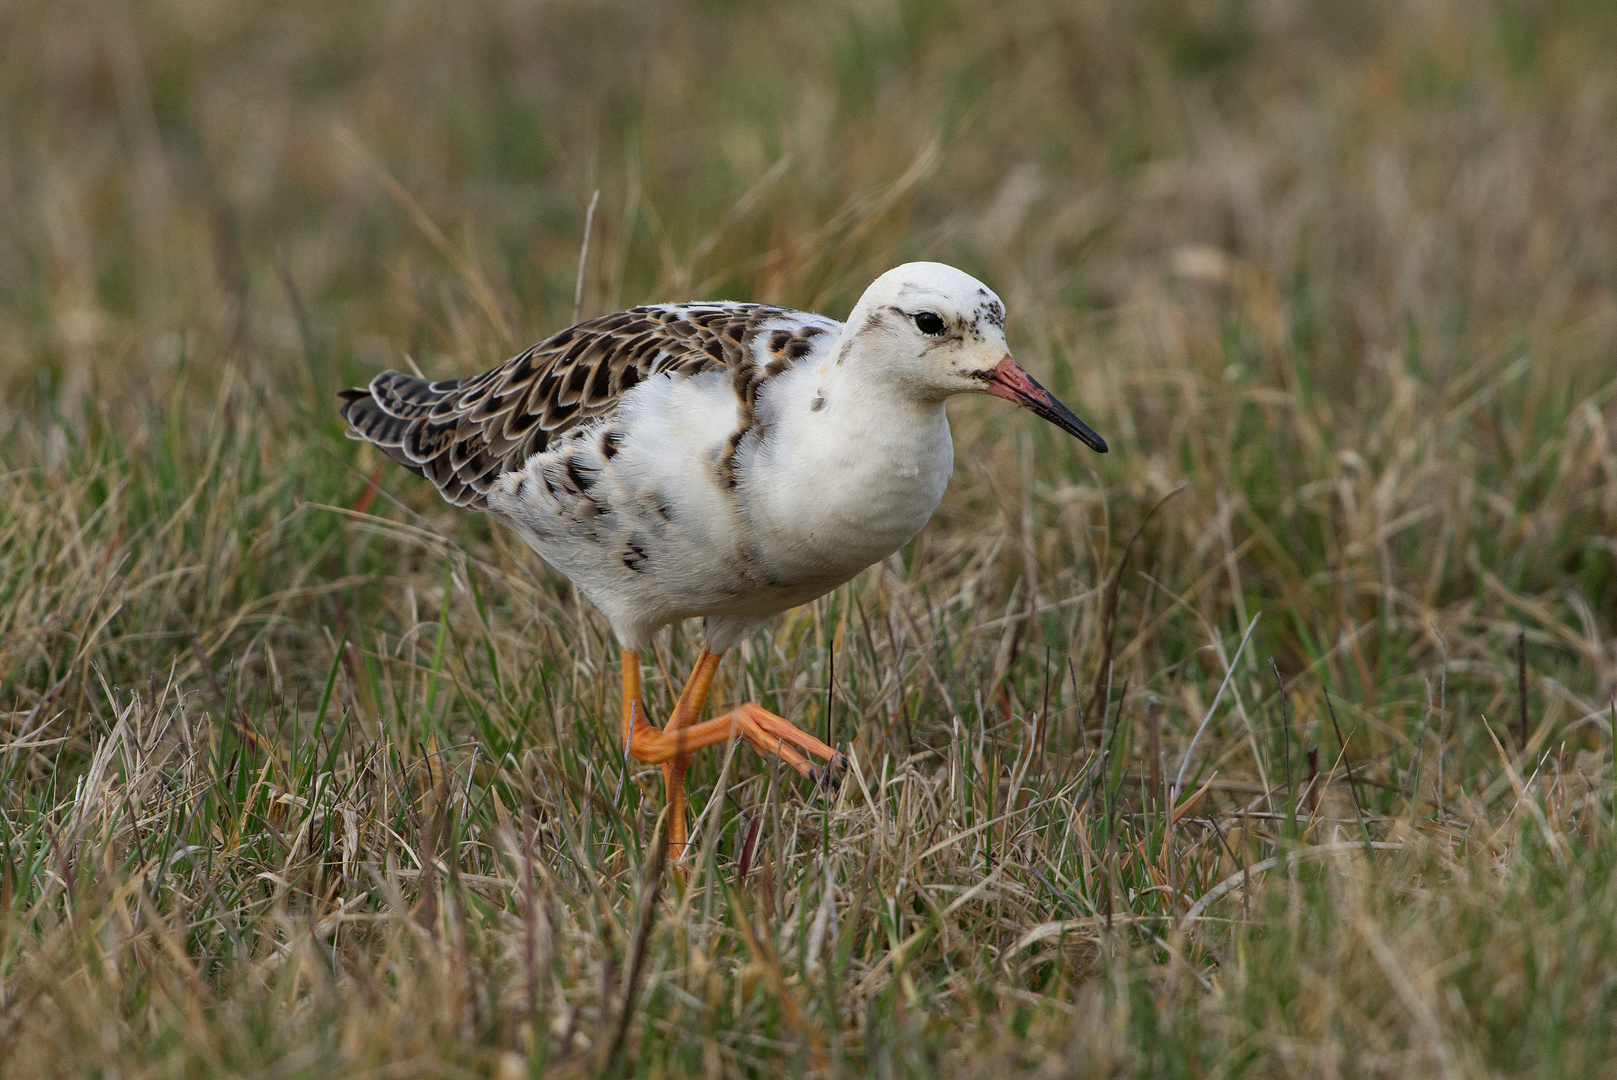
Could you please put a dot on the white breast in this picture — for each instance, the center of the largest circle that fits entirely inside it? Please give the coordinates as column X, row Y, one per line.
column 832, row 490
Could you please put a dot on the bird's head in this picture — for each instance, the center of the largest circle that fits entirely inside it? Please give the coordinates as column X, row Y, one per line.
column 936, row 331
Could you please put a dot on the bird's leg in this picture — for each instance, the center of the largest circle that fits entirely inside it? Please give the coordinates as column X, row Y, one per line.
column 673, row 744
column 632, row 710
column 687, row 710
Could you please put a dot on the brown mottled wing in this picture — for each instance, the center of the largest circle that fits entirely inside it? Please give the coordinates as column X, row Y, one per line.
column 462, row 434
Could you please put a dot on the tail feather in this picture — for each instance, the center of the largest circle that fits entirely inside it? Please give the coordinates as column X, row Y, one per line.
column 394, row 413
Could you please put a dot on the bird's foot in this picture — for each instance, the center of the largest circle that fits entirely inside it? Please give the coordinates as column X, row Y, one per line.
column 775, row 735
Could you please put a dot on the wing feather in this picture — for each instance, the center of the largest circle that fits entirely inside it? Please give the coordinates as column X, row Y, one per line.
column 462, row 434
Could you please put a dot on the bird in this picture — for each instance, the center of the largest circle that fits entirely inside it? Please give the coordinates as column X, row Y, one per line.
column 717, row 460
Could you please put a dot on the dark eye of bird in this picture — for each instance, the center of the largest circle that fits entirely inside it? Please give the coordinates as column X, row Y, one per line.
column 928, row 322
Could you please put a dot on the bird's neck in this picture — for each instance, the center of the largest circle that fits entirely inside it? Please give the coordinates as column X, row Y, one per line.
column 862, row 373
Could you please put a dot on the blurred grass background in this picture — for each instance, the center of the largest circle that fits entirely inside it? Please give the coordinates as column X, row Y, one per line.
column 303, row 778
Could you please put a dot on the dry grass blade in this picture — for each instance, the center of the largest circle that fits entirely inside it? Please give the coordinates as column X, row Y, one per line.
column 1229, row 673
column 1244, row 877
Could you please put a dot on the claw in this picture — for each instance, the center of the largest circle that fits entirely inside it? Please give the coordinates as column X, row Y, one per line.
column 829, row 775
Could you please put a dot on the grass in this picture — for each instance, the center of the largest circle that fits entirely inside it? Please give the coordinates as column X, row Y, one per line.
column 306, row 774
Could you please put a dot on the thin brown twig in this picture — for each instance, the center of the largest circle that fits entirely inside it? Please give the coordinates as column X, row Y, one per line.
column 1347, row 763
column 651, row 886
column 1521, row 683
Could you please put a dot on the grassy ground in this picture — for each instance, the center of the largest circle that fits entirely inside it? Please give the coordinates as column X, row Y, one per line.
column 302, row 777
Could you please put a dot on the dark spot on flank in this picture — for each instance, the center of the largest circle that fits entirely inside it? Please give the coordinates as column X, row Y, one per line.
column 798, row 349
column 778, row 340
column 576, row 477
column 611, row 439
column 817, row 403
column 666, row 512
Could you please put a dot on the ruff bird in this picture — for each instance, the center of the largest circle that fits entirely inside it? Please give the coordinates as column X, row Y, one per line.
column 726, row 461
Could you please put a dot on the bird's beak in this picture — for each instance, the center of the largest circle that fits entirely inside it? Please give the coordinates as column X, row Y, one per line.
column 1013, row 384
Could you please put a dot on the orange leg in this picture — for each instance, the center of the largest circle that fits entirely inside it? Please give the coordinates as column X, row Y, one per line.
column 673, row 745
column 687, row 710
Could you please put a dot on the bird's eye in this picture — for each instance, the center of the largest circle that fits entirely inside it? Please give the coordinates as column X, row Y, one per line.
column 929, row 323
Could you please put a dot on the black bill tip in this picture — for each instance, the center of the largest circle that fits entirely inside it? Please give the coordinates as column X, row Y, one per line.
column 1063, row 418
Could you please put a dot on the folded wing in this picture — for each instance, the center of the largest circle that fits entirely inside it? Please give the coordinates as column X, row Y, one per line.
column 463, row 433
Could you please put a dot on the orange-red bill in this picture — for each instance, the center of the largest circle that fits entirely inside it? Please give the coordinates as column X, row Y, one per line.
column 1013, row 384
